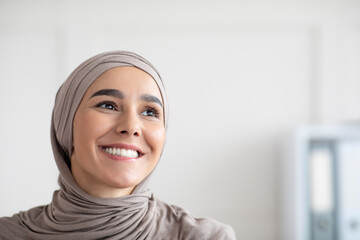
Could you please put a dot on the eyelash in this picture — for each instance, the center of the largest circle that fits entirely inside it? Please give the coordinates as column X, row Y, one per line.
column 115, row 108
column 156, row 113
column 103, row 105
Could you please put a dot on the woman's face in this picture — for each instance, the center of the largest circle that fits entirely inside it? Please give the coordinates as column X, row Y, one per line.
column 118, row 132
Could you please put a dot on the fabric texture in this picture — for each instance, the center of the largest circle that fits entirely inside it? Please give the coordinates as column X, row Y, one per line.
column 74, row 214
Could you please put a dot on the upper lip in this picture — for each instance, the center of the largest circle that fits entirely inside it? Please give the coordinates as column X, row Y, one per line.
column 123, row 146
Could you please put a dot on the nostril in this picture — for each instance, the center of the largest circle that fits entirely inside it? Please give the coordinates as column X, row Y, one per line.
column 134, row 133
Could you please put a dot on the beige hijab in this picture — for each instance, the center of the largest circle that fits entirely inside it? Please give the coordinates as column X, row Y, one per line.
column 74, row 214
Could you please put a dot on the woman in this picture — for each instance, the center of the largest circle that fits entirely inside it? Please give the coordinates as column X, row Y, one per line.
column 108, row 132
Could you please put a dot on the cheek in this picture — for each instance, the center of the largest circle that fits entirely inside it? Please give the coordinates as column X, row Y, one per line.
column 156, row 136
column 88, row 127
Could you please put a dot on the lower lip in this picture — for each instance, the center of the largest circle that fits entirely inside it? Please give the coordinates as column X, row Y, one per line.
column 118, row 158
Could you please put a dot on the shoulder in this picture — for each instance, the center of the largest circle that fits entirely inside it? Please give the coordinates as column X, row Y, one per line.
column 14, row 227
column 11, row 228
column 182, row 224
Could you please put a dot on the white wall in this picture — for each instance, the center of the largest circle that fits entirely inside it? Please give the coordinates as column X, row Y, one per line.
column 239, row 75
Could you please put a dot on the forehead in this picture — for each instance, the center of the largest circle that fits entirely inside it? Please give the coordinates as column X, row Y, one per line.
column 130, row 80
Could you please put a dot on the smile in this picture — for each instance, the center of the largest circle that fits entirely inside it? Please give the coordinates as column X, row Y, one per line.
column 122, row 152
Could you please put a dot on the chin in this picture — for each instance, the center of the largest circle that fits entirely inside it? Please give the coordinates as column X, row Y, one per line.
column 124, row 182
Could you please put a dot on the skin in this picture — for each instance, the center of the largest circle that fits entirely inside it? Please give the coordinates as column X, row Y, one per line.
column 103, row 118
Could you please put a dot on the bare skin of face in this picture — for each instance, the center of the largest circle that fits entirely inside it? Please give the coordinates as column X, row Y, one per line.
column 118, row 133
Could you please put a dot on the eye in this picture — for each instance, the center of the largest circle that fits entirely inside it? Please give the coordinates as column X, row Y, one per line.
column 107, row 105
column 151, row 112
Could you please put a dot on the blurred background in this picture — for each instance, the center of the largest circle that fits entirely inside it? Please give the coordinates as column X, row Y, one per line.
column 242, row 78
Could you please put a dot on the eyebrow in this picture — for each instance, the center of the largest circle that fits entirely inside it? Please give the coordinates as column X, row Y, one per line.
column 109, row 92
column 150, row 98
column 119, row 94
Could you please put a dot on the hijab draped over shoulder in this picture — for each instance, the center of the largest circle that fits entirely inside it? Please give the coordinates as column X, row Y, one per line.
column 73, row 213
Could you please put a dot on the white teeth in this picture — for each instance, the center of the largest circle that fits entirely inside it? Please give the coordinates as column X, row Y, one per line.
column 122, row 152
column 129, row 153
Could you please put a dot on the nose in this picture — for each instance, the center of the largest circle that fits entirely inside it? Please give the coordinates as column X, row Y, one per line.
column 128, row 124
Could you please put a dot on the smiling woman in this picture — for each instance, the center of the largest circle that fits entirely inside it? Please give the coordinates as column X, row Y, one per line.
column 108, row 132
